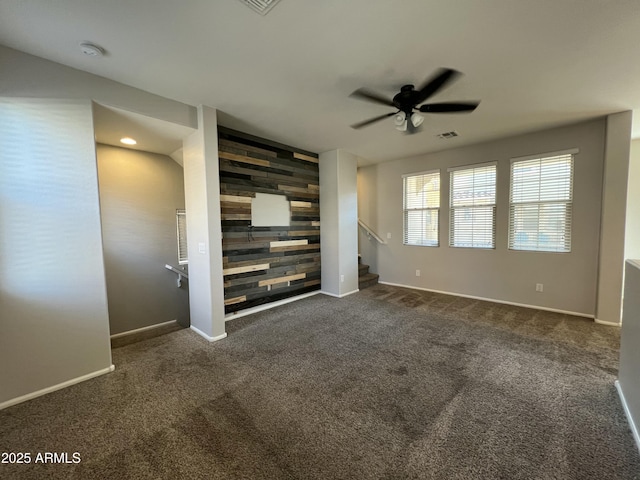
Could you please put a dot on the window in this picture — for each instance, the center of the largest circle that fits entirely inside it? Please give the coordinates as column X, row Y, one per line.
column 181, row 222
column 472, row 221
column 421, row 208
column 541, row 202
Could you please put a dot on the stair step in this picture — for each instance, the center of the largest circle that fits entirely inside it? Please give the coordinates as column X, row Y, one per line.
column 368, row 280
column 363, row 269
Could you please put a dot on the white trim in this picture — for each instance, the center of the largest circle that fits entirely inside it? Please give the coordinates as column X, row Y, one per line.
column 211, row 339
column 143, row 329
column 570, row 151
column 340, row 296
column 472, row 166
column 605, row 322
column 53, row 388
column 267, row 306
column 535, row 307
column 427, row 172
column 632, row 424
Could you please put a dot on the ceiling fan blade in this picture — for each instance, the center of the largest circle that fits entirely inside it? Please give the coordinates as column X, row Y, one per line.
column 370, row 96
column 372, row 120
column 436, row 82
column 455, row 107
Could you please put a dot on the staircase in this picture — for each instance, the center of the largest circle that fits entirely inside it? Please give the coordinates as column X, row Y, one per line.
column 365, row 279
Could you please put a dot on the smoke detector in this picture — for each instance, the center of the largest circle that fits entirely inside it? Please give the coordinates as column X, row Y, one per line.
column 91, row 50
column 261, row 6
column 450, row 134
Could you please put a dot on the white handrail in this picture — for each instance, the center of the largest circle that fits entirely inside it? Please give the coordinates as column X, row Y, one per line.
column 181, row 274
column 371, row 233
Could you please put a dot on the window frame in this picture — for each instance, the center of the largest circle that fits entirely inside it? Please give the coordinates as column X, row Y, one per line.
column 405, row 209
column 567, row 220
column 452, row 209
column 181, row 236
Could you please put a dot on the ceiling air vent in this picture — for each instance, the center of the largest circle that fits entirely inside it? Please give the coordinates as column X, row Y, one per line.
column 450, row 134
column 261, row 6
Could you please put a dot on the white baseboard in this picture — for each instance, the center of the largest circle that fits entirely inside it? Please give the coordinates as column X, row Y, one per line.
column 340, row 296
column 267, row 306
column 211, row 339
column 535, row 307
column 143, row 329
column 632, row 424
column 53, row 388
column 605, row 322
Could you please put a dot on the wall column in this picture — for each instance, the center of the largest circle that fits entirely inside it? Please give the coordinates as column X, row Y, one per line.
column 612, row 227
column 204, row 232
column 339, row 216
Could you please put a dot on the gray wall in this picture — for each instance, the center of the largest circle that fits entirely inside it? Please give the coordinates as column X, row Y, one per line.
column 54, row 325
column 629, row 342
column 632, row 233
column 139, row 195
column 569, row 279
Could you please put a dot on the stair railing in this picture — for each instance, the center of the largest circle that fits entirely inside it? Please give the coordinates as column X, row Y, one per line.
column 370, row 233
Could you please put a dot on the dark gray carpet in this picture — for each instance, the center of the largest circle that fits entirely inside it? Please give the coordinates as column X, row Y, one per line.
column 388, row 383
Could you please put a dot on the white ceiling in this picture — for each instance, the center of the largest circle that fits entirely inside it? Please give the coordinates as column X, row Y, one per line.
column 153, row 135
column 287, row 76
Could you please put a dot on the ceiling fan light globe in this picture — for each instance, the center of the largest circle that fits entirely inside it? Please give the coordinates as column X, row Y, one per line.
column 402, row 126
column 400, row 119
column 416, row 119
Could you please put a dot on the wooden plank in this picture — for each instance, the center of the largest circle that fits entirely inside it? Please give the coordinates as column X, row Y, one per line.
column 290, row 178
column 227, row 167
column 235, row 210
column 246, row 148
column 276, row 261
column 235, row 216
column 302, row 156
column 305, row 211
column 315, row 224
column 312, row 186
column 288, row 243
column 289, row 188
column 311, row 282
column 244, row 246
column 304, row 233
column 294, row 248
column 289, row 278
column 231, row 301
column 248, row 268
column 301, row 204
column 236, row 198
column 243, row 159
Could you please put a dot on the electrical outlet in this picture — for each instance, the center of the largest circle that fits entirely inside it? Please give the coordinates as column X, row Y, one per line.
column 539, row 287
column 342, row 278
column 388, row 234
column 417, row 273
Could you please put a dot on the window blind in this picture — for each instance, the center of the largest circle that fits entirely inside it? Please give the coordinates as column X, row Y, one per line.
column 472, row 207
column 421, row 209
column 541, row 199
column 181, row 222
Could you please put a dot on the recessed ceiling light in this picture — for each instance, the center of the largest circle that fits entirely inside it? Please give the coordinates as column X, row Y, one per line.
column 128, row 141
column 91, row 50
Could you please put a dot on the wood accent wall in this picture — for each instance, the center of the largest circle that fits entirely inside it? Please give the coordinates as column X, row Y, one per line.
column 264, row 264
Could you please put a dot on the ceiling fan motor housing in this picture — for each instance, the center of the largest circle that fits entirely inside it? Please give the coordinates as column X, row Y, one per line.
column 407, row 99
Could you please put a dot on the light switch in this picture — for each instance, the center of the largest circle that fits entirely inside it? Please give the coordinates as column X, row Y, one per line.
column 202, row 248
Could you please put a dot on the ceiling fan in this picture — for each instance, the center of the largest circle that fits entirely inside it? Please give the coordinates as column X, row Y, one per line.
column 408, row 102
